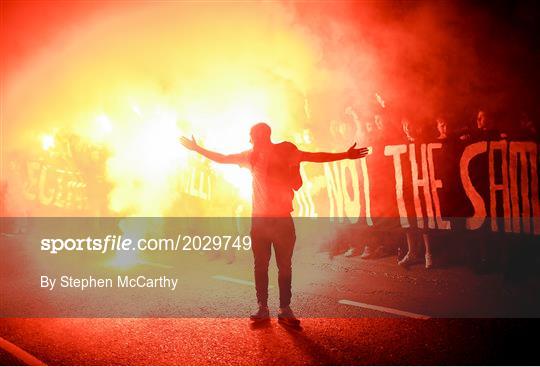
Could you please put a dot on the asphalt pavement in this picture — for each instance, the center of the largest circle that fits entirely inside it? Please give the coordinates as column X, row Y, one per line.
column 353, row 311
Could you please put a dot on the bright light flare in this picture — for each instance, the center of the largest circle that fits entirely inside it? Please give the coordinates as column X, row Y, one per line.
column 145, row 163
column 225, row 128
column 240, row 178
column 47, row 142
column 135, row 105
column 134, row 229
column 104, row 123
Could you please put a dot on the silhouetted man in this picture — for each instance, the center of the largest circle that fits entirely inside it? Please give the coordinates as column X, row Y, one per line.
column 275, row 170
column 484, row 129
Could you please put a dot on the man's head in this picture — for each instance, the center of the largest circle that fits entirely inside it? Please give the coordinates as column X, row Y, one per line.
column 442, row 126
column 482, row 121
column 260, row 134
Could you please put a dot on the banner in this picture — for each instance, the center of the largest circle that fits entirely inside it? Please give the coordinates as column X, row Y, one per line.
column 491, row 183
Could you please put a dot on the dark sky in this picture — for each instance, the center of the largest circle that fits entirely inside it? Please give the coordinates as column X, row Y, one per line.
column 450, row 58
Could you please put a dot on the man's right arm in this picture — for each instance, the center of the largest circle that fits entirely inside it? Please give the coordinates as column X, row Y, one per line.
column 192, row 144
column 220, row 158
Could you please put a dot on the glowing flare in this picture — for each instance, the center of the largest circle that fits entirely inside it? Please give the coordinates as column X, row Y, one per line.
column 135, row 105
column 47, row 142
column 104, row 123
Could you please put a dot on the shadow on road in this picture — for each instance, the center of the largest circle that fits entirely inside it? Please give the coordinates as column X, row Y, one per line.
column 260, row 325
column 316, row 352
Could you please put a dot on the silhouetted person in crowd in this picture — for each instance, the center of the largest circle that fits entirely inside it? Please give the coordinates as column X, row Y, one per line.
column 484, row 241
column 376, row 239
column 442, row 129
column 451, row 195
column 414, row 236
column 408, row 130
column 484, row 129
column 275, row 170
column 526, row 130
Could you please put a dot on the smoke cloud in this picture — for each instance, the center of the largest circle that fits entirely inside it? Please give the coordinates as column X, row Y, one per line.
column 136, row 76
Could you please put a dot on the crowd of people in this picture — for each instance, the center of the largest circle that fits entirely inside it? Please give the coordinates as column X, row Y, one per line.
column 412, row 245
column 482, row 249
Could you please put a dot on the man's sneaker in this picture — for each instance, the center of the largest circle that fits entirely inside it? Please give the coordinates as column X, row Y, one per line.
column 429, row 261
column 286, row 316
column 262, row 314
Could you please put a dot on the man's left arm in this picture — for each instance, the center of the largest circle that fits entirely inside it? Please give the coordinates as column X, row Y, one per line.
column 320, row 157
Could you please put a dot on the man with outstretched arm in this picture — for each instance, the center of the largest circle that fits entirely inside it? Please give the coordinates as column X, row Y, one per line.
column 275, row 170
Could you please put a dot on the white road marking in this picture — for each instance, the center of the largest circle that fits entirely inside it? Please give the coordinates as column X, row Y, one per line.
column 20, row 353
column 235, row 280
column 384, row 309
column 342, row 301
